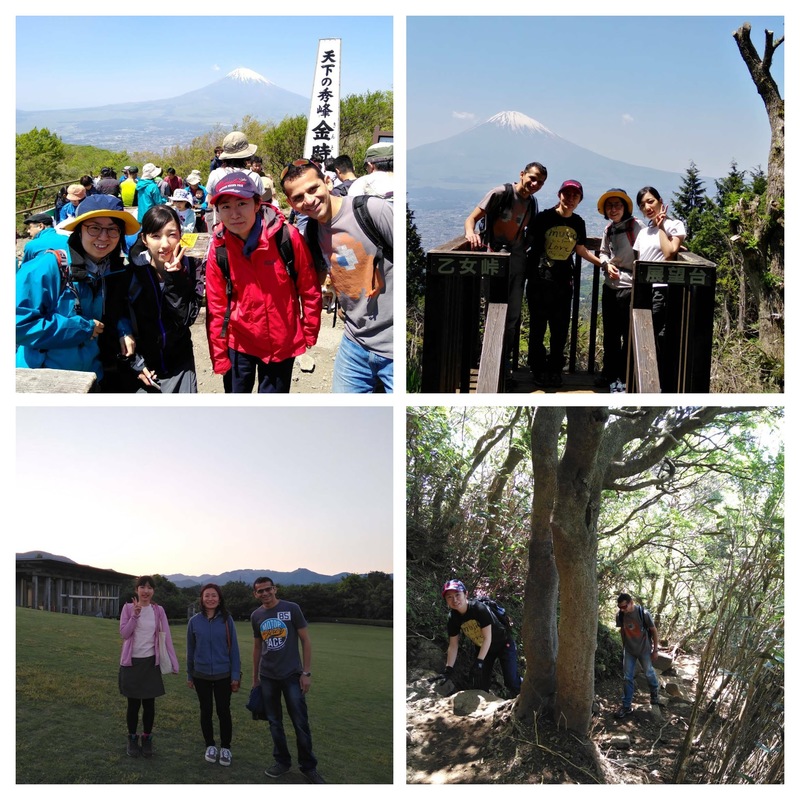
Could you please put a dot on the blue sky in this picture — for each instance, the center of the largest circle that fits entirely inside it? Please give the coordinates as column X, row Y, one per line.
column 196, row 490
column 149, row 58
column 652, row 91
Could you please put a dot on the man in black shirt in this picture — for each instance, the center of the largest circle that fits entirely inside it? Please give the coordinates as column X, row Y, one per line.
column 492, row 639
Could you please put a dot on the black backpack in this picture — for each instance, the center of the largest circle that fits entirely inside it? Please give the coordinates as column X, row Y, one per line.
column 498, row 612
column 286, row 249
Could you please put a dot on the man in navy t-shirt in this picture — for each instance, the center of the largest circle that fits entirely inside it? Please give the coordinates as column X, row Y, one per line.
column 278, row 626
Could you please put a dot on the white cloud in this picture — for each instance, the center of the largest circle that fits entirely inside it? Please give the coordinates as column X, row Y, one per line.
column 627, row 119
column 464, row 115
column 215, row 68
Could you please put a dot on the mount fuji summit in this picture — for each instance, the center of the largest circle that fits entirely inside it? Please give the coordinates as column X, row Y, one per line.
column 157, row 124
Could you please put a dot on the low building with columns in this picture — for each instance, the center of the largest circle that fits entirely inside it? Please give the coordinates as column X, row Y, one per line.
column 55, row 583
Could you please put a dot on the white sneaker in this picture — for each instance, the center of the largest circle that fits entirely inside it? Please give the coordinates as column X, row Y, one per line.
column 211, row 754
column 225, row 757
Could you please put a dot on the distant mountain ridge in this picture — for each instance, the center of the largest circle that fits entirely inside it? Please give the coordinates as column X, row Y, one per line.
column 157, row 124
column 298, row 577
column 448, row 178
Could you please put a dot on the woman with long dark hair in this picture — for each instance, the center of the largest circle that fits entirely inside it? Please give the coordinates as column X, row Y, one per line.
column 164, row 295
column 69, row 302
column 146, row 639
column 660, row 240
column 214, row 668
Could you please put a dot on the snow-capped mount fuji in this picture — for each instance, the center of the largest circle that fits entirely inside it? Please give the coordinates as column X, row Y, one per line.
column 518, row 123
column 158, row 124
column 248, row 76
column 447, row 179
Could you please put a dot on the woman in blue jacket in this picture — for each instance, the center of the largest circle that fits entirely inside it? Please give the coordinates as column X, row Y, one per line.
column 147, row 192
column 215, row 669
column 69, row 301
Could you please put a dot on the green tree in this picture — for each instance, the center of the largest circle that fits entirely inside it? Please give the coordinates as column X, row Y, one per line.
column 690, row 199
column 40, row 156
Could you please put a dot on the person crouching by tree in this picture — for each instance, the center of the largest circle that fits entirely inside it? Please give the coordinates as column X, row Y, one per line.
column 639, row 643
column 260, row 314
column 492, row 640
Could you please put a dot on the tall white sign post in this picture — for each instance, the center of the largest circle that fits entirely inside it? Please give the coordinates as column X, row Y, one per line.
column 322, row 134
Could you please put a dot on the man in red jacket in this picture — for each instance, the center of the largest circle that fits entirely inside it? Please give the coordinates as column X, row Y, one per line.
column 271, row 314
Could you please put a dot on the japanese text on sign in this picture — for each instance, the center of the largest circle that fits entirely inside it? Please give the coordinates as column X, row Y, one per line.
column 322, row 133
column 468, row 265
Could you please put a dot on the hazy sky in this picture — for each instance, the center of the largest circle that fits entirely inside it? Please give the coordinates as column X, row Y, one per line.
column 194, row 490
column 151, row 58
column 652, row 91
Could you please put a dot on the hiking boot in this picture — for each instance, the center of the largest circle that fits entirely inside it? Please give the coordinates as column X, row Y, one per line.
column 653, row 698
column 555, row 380
column 225, row 757
column 623, row 711
column 133, row 745
column 211, row 754
column 539, row 379
column 312, row 776
column 147, row 745
column 276, row 770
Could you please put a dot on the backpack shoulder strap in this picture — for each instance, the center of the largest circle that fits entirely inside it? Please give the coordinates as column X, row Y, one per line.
column 221, row 252
column 312, row 239
column 65, row 271
column 286, row 249
column 367, row 224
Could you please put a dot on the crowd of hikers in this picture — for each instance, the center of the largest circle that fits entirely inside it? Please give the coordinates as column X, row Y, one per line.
column 107, row 283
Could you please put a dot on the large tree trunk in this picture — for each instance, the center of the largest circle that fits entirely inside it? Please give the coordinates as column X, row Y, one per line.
column 575, row 543
column 764, row 265
column 541, row 585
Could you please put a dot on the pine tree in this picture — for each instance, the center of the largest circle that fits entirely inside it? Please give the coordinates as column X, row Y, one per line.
column 690, row 200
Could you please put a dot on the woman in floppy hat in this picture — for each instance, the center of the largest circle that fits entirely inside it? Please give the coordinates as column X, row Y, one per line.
column 235, row 155
column 75, row 194
column 69, row 301
column 147, row 192
column 617, row 257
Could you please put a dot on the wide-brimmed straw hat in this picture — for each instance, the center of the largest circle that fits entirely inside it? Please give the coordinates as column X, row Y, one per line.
column 102, row 205
column 621, row 194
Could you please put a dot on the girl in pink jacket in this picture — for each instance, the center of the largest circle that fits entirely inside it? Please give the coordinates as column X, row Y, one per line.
column 142, row 624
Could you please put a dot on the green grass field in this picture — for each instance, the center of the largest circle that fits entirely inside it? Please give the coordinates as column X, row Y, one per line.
column 71, row 716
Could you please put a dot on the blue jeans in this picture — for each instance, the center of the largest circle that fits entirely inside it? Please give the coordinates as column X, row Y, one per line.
column 629, row 667
column 271, row 691
column 358, row 371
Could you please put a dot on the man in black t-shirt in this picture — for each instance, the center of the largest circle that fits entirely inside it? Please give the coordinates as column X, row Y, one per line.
column 555, row 235
column 486, row 632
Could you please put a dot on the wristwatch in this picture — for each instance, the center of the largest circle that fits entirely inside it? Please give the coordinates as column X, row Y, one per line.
column 307, row 674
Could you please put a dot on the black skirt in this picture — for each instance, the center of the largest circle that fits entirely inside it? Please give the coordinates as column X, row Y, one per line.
column 142, row 680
